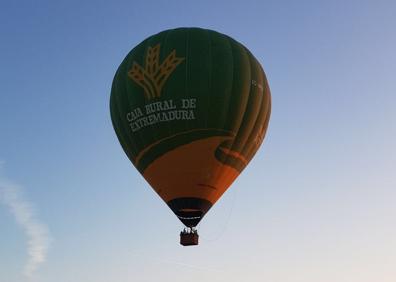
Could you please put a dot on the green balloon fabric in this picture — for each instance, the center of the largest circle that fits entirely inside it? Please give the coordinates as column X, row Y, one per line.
column 190, row 108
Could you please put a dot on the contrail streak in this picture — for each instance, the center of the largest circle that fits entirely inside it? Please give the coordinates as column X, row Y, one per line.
column 37, row 233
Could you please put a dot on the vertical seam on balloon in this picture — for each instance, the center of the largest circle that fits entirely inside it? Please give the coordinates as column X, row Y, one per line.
column 152, row 133
column 166, row 125
column 137, row 136
column 186, row 125
column 232, row 82
column 247, row 102
column 268, row 106
column 246, row 144
column 119, row 105
column 218, row 172
column 147, row 131
column 223, row 164
column 210, row 79
column 259, row 74
column 249, row 91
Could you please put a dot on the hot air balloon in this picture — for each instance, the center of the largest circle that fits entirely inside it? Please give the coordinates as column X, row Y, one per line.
column 190, row 108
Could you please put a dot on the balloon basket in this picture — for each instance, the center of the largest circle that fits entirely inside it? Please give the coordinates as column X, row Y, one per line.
column 189, row 238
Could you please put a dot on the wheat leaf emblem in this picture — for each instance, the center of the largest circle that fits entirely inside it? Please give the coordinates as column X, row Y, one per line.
column 153, row 76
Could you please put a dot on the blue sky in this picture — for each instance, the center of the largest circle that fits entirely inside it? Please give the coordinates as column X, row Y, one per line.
column 317, row 203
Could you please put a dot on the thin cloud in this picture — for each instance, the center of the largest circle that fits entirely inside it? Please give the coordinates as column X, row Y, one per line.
column 37, row 233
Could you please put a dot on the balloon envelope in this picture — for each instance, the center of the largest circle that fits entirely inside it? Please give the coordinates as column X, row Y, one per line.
column 190, row 108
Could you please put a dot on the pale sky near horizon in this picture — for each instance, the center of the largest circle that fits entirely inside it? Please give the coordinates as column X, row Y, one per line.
column 317, row 203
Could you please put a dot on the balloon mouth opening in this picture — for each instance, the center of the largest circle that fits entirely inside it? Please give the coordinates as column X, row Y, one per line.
column 189, row 218
column 190, row 211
